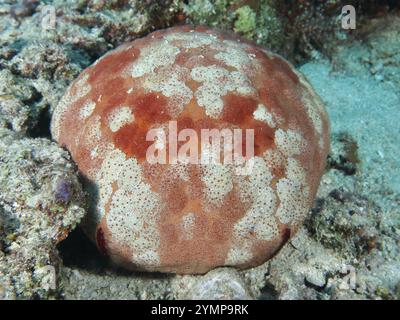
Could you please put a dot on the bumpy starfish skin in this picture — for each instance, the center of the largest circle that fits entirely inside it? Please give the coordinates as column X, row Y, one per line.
column 189, row 218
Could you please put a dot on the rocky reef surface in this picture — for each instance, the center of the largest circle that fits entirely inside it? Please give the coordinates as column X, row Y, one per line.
column 349, row 246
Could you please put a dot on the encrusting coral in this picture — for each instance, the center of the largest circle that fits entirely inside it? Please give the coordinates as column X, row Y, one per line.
column 190, row 218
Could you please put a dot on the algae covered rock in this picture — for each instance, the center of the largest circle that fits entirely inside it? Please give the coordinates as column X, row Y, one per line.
column 259, row 21
column 40, row 202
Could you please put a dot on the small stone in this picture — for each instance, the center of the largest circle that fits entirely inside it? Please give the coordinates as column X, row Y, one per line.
column 316, row 278
column 343, row 285
column 219, row 284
